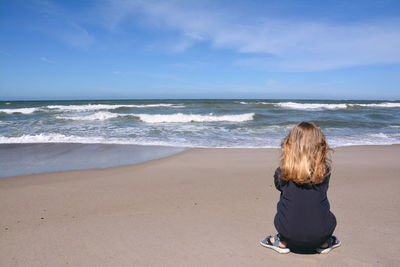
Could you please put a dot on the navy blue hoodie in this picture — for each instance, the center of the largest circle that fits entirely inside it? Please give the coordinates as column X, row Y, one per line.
column 303, row 216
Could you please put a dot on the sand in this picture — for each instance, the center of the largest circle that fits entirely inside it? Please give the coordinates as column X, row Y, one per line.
column 202, row 207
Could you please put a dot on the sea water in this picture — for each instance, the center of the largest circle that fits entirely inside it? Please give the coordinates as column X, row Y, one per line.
column 197, row 123
column 143, row 124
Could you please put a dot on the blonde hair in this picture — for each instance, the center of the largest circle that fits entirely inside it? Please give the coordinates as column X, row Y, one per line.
column 305, row 155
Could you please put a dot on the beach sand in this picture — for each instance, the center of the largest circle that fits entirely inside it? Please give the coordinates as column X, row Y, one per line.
column 201, row 207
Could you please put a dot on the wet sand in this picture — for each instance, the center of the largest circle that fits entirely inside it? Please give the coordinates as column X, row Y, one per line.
column 201, row 207
column 23, row 159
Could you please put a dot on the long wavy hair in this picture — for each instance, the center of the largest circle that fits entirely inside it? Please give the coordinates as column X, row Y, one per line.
column 305, row 155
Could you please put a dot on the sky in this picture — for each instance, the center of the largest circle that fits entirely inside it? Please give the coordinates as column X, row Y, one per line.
column 114, row 49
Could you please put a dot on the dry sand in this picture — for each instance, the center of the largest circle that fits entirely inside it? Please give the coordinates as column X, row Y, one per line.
column 202, row 207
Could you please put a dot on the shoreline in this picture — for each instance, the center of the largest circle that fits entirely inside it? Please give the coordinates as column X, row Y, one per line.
column 37, row 158
column 210, row 207
column 64, row 157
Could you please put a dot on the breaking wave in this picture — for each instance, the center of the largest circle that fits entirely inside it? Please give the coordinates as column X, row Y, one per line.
column 379, row 105
column 98, row 116
column 184, row 118
column 320, row 106
column 91, row 107
column 309, row 106
column 163, row 118
column 83, row 108
column 19, row 110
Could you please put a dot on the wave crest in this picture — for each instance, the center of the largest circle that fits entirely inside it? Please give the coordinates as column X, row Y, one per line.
column 19, row 110
column 379, row 105
column 92, row 107
column 320, row 106
column 312, row 106
column 185, row 118
column 98, row 116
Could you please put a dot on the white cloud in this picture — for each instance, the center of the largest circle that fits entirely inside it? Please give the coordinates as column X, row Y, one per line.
column 280, row 44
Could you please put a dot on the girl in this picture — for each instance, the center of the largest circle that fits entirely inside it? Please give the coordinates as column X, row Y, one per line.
column 303, row 220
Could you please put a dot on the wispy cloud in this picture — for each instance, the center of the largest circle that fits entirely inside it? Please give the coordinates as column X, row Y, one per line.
column 281, row 44
column 44, row 59
column 62, row 25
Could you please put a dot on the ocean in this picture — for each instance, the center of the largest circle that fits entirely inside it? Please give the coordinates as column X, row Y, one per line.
column 178, row 123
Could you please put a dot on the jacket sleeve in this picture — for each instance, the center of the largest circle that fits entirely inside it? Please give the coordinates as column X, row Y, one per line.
column 277, row 181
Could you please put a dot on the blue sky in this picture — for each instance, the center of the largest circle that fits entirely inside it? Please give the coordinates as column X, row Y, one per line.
column 115, row 49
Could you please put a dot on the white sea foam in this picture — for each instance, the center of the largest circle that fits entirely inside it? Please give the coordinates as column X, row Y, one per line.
column 60, row 138
column 98, row 116
column 184, row 118
column 334, row 141
column 364, row 139
column 19, row 110
column 159, row 105
column 379, row 105
column 379, row 135
column 319, row 106
column 89, row 107
column 254, row 103
column 310, row 106
column 315, row 106
column 92, row 107
column 42, row 138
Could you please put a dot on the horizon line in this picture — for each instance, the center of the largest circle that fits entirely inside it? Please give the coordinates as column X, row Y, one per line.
column 164, row 99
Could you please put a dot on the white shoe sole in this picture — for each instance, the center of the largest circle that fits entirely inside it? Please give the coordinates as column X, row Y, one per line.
column 327, row 250
column 277, row 249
